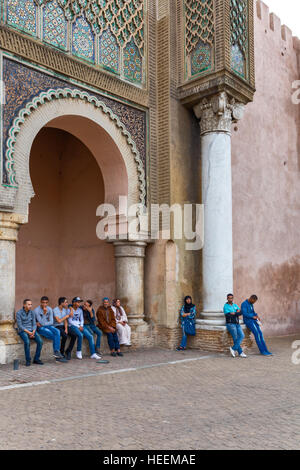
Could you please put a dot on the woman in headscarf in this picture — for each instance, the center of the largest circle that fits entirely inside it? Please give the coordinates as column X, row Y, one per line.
column 187, row 319
column 123, row 329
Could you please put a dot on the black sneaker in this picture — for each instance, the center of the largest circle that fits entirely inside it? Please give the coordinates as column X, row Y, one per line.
column 38, row 361
column 68, row 356
column 61, row 359
column 58, row 355
column 120, row 354
column 28, row 363
column 114, row 354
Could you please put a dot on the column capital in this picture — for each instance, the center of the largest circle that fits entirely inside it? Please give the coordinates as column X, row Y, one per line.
column 217, row 113
column 10, row 224
column 130, row 249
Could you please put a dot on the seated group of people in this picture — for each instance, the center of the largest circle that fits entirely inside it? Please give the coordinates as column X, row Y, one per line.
column 232, row 313
column 76, row 321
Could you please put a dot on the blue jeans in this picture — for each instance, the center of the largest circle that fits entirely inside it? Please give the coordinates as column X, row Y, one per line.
column 76, row 331
column 39, row 345
column 90, row 337
column 94, row 329
column 113, row 341
column 237, row 334
column 52, row 333
column 184, row 338
column 258, row 335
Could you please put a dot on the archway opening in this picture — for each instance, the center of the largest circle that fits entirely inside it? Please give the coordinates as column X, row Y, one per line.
column 58, row 252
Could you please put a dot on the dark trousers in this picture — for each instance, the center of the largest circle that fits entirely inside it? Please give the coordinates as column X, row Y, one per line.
column 64, row 337
column 113, row 341
column 39, row 345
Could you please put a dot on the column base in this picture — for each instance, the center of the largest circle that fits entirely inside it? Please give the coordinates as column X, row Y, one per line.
column 11, row 345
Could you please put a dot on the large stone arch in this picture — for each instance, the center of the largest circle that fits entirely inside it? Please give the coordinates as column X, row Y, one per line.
column 92, row 122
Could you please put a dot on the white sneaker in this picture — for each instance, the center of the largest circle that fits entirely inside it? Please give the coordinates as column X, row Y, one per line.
column 232, row 352
column 79, row 354
column 243, row 354
column 95, row 356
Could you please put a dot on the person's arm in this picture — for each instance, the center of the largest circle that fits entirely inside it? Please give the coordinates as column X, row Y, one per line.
column 246, row 312
column 81, row 319
column 192, row 313
column 33, row 324
column 19, row 321
column 113, row 322
column 50, row 321
column 101, row 320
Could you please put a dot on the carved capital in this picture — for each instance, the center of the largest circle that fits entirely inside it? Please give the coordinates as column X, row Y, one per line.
column 217, row 113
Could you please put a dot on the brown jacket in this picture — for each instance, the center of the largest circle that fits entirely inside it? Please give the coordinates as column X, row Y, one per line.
column 102, row 319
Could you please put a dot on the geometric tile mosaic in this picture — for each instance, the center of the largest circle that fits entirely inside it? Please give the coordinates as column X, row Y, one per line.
column 115, row 28
column 55, row 26
column 21, row 14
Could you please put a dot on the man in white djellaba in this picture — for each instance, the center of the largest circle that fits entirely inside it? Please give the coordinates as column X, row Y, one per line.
column 123, row 329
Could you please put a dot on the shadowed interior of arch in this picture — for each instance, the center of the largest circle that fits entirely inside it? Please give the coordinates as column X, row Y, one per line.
column 58, row 252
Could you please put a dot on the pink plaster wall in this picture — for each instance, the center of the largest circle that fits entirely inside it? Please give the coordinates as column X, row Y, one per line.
column 58, row 252
column 266, row 177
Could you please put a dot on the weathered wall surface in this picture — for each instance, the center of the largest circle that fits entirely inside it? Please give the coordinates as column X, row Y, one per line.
column 58, row 253
column 266, row 177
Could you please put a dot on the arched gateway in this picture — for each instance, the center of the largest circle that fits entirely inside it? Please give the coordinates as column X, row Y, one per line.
column 70, row 153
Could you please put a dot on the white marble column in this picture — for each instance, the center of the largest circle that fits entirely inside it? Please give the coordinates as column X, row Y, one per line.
column 129, row 263
column 216, row 117
column 9, row 226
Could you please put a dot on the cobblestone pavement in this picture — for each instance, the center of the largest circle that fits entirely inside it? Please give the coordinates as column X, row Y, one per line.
column 155, row 399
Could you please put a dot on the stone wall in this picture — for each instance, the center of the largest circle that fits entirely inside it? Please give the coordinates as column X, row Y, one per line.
column 266, row 190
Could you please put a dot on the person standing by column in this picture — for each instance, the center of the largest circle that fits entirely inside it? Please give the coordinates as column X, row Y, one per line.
column 107, row 323
column 45, row 326
column 232, row 313
column 187, row 320
column 27, row 330
column 251, row 320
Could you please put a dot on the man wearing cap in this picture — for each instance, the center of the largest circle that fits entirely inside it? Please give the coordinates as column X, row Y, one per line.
column 76, row 326
column 107, row 323
column 45, row 326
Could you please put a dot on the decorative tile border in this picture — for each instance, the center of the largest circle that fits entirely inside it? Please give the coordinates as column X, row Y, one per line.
column 27, row 88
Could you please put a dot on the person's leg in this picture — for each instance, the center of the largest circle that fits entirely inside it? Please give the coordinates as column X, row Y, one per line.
column 98, row 333
column 184, row 339
column 262, row 342
column 240, row 337
column 56, row 337
column 47, row 333
column 111, row 343
column 63, row 336
column 231, row 328
column 26, row 341
column 39, row 345
column 116, row 341
column 76, row 331
column 252, row 325
column 89, row 336
column 72, row 342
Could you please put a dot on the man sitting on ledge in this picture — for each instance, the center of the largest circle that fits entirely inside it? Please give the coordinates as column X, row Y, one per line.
column 27, row 330
column 107, row 323
column 45, row 326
